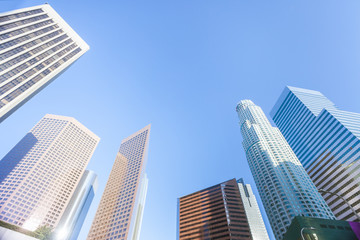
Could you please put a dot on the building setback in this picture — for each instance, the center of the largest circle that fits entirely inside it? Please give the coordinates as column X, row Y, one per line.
column 40, row 174
column 226, row 211
column 284, row 186
column 119, row 214
column 327, row 142
column 36, row 45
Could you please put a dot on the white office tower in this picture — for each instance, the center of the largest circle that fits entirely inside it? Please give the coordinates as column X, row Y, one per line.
column 252, row 211
column 39, row 175
column 284, row 186
column 36, row 45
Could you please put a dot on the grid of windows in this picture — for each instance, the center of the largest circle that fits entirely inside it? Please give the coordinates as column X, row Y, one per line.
column 20, row 15
column 36, row 190
column 327, row 142
column 284, row 186
column 117, row 209
column 256, row 222
column 217, row 212
column 36, row 44
column 25, row 29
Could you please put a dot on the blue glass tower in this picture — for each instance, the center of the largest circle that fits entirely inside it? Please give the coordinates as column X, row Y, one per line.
column 327, row 142
column 284, row 186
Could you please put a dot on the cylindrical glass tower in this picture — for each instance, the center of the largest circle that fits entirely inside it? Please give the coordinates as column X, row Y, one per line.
column 285, row 188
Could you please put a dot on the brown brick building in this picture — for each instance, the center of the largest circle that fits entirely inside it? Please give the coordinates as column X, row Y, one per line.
column 217, row 212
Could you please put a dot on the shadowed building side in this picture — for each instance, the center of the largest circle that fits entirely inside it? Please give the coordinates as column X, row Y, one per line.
column 13, row 158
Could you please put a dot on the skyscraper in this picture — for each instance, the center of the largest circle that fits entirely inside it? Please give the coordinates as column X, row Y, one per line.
column 73, row 218
column 285, row 188
column 39, row 175
column 327, row 142
column 120, row 211
column 36, row 45
column 256, row 223
column 226, row 211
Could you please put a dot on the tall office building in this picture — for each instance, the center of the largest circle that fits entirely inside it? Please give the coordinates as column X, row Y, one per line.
column 73, row 218
column 327, row 142
column 39, row 175
column 36, row 45
column 226, row 211
column 285, row 188
column 120, row 211
column 256, row 222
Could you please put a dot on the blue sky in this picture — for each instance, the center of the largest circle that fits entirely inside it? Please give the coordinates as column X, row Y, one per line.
column 183, row 66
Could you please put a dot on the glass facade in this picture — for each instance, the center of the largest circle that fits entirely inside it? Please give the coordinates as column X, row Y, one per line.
column 284, row 186
column 74, row 215
column 256, row 222
column 36, row 44
column 119, row 214
column 39, row 175
column 327, row 142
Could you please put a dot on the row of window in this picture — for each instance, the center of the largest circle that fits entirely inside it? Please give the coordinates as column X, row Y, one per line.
column 29, row 45
column 20, row 15
column 22, row 22
column 33, row 60
column 25, row 29
column 32, row 71
column 27, row 37
column 36, row 79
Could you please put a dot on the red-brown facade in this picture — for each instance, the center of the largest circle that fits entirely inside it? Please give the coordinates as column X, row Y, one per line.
column 214, row 213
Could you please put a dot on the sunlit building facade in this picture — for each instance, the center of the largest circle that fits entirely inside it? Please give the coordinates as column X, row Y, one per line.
column 73, row 218
column 39, row 175
column 36, row 45
column 120, row 212
column 327, row 142
column 226, row 211
column 284, row 186
column 252, row 211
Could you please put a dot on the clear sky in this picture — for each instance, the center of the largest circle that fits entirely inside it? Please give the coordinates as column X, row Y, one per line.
column 183, row 66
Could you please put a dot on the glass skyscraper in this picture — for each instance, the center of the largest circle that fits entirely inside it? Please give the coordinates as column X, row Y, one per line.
column 226, row 211
column 73, row 218
column 36, row 45
column 120, row 211
column 284, row 186
column 327, row 142
column 39, row 175
column 253, row 214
